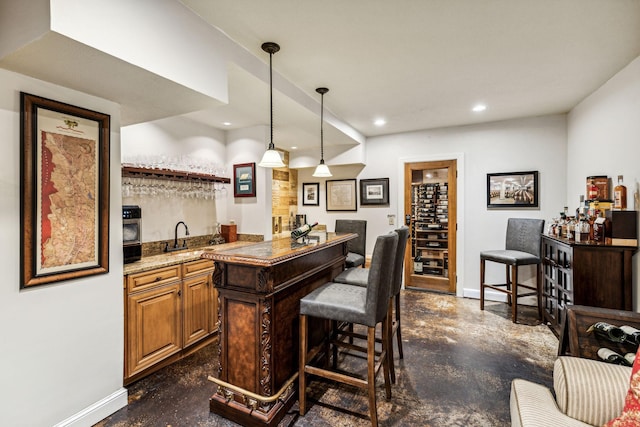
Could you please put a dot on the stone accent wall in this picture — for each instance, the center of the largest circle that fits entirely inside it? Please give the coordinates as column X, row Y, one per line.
column 284, row 205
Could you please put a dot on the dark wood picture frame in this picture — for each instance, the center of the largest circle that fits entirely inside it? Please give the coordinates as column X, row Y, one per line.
column 311, row 194
column 341, row 195
column 244, row 180
column 511, row 190
column 64, row 217
column 374, row 192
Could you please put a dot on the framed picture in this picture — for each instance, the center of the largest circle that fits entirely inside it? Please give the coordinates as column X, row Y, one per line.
column 341, row 195
column 512, row 190
column 311, row 194
column 244, row 180
column 374, row 191
column 64, row 191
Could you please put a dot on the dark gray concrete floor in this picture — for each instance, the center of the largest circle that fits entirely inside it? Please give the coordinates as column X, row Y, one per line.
column 457, row 370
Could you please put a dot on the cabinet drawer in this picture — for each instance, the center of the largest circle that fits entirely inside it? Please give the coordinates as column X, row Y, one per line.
column 196, row 267
column 147, row 279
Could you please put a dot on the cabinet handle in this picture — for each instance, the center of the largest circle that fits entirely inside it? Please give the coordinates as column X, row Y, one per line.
column 157, row 279
column 179, row 292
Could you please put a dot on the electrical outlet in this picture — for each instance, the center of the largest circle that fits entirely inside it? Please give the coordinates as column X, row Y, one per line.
column 392, row 219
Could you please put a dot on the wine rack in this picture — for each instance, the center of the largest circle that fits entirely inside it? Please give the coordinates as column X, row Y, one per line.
column 430, row 229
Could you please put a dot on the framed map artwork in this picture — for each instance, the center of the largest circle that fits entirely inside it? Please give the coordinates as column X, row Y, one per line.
column 341, row 195
column 64, row 191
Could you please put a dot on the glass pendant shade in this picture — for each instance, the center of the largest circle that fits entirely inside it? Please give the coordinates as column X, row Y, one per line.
column 271, row 158
column 322, row 170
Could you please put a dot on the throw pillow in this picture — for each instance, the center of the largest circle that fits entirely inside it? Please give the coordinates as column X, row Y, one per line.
column 631, row 413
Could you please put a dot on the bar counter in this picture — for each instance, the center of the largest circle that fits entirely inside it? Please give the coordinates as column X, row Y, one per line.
column 259, row 289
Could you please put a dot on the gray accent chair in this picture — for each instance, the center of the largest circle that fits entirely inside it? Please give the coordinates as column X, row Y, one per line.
column 356, row 247
column 360, row 277
column 523, row 247
column 360, row 305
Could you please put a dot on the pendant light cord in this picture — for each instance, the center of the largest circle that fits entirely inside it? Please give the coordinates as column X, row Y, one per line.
column 271, row 145
column 321, row 128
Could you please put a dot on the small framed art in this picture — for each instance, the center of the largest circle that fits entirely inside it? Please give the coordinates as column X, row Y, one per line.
column 374, row 191
column 311, row 194
column 512, row 190
column 244, row 180
column 341, row 195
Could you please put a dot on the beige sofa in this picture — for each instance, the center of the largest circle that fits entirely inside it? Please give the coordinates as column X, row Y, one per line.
column 587, row 393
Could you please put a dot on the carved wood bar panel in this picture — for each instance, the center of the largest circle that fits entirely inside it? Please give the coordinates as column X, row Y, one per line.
column 259, row 288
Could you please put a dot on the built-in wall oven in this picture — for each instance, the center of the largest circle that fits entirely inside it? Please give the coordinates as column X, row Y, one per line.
column 131, row 233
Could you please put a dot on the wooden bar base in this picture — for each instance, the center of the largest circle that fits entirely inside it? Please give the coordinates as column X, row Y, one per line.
column 259, row 289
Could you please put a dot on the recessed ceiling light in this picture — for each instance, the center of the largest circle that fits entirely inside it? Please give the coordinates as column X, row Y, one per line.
column 294, row 148
column 380, row 122
column 226, row 123
column 479, row 108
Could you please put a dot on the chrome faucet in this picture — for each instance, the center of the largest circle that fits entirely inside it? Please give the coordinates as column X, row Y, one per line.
column 175, row 239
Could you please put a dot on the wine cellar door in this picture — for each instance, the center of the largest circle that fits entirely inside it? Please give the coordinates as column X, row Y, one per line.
column 430, row 213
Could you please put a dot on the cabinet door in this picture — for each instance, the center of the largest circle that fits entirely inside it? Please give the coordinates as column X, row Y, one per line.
column 197, row 308
column 153, row 326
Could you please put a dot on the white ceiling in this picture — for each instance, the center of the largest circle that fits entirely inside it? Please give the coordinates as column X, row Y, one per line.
column 422, row 64
column 419, row 64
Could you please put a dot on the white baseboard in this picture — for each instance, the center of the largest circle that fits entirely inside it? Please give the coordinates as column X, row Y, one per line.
column 98, row 411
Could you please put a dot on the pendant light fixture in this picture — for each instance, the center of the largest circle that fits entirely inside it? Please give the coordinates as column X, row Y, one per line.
column 322, row 170
column 271, row 157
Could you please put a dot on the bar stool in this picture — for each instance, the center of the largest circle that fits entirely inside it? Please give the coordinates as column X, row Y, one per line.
column 358, row 305
column 523, row 247
column 360, row 277
column 356, row 247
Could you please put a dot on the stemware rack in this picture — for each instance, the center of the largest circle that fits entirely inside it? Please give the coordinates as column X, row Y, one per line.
column 170, row 174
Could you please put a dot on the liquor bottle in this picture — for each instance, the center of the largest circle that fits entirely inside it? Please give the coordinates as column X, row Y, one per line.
column 577, row 235
column 620, row 195
column 633, row 334
column 302, row 231
column 611, row 356
column 608, row 331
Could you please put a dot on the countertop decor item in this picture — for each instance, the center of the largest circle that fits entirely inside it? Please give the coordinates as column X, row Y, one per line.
column 271, row 157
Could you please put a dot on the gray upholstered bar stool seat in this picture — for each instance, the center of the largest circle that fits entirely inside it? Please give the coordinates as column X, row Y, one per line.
column 353, row 304
column 360, row 277
column 356, row 247
column 523, row 247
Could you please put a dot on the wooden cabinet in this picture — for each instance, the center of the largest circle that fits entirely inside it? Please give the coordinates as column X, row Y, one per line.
column 589, row 274
column 154, row 329
column 167, row 311
column 198, row 302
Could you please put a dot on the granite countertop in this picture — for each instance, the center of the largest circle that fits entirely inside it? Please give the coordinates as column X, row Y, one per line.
column 271, row 252
column 178, row 257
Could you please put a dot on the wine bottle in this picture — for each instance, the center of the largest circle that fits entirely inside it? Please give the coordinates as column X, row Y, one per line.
column 611, row 356
column 417, row 264
column 620, row 195
column 302, row 231
column 630, row 358
column 633, row 334
column 608, row 331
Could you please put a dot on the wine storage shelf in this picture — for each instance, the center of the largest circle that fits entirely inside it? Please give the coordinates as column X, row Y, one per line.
column 429, row 230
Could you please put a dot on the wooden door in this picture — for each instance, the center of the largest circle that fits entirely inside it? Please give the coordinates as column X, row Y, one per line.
column 430, row 208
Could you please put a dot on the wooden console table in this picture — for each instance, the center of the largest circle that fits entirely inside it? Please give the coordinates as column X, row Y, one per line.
column 590, row 274
column 259, row 289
